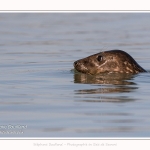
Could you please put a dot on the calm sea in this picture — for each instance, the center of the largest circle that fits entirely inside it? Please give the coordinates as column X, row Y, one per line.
column 41, row 95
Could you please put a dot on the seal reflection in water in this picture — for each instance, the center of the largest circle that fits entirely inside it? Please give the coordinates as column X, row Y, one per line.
column 113, row 61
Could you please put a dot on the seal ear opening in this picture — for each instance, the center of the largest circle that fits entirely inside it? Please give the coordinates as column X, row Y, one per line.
column 99, row 58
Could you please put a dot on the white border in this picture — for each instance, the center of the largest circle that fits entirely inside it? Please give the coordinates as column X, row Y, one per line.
column 79, row 5
column 106, row 144
column 74, row 11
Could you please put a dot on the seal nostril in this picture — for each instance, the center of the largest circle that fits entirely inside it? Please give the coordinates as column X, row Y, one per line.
column 75, row 63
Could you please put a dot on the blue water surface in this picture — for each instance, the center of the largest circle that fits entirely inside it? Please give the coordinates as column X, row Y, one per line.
column 42, row 96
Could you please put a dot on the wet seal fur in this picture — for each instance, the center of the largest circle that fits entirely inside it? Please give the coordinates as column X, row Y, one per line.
column 113, row 61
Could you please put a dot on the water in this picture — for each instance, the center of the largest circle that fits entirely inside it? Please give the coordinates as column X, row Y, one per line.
column 40, row 94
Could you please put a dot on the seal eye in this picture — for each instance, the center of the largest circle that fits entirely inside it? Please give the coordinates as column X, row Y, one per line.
column 99, row 58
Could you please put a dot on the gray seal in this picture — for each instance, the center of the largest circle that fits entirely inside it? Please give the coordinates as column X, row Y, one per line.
column 113, row 61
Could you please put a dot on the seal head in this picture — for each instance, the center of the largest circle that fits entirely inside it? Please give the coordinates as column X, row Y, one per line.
column 113, row 61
